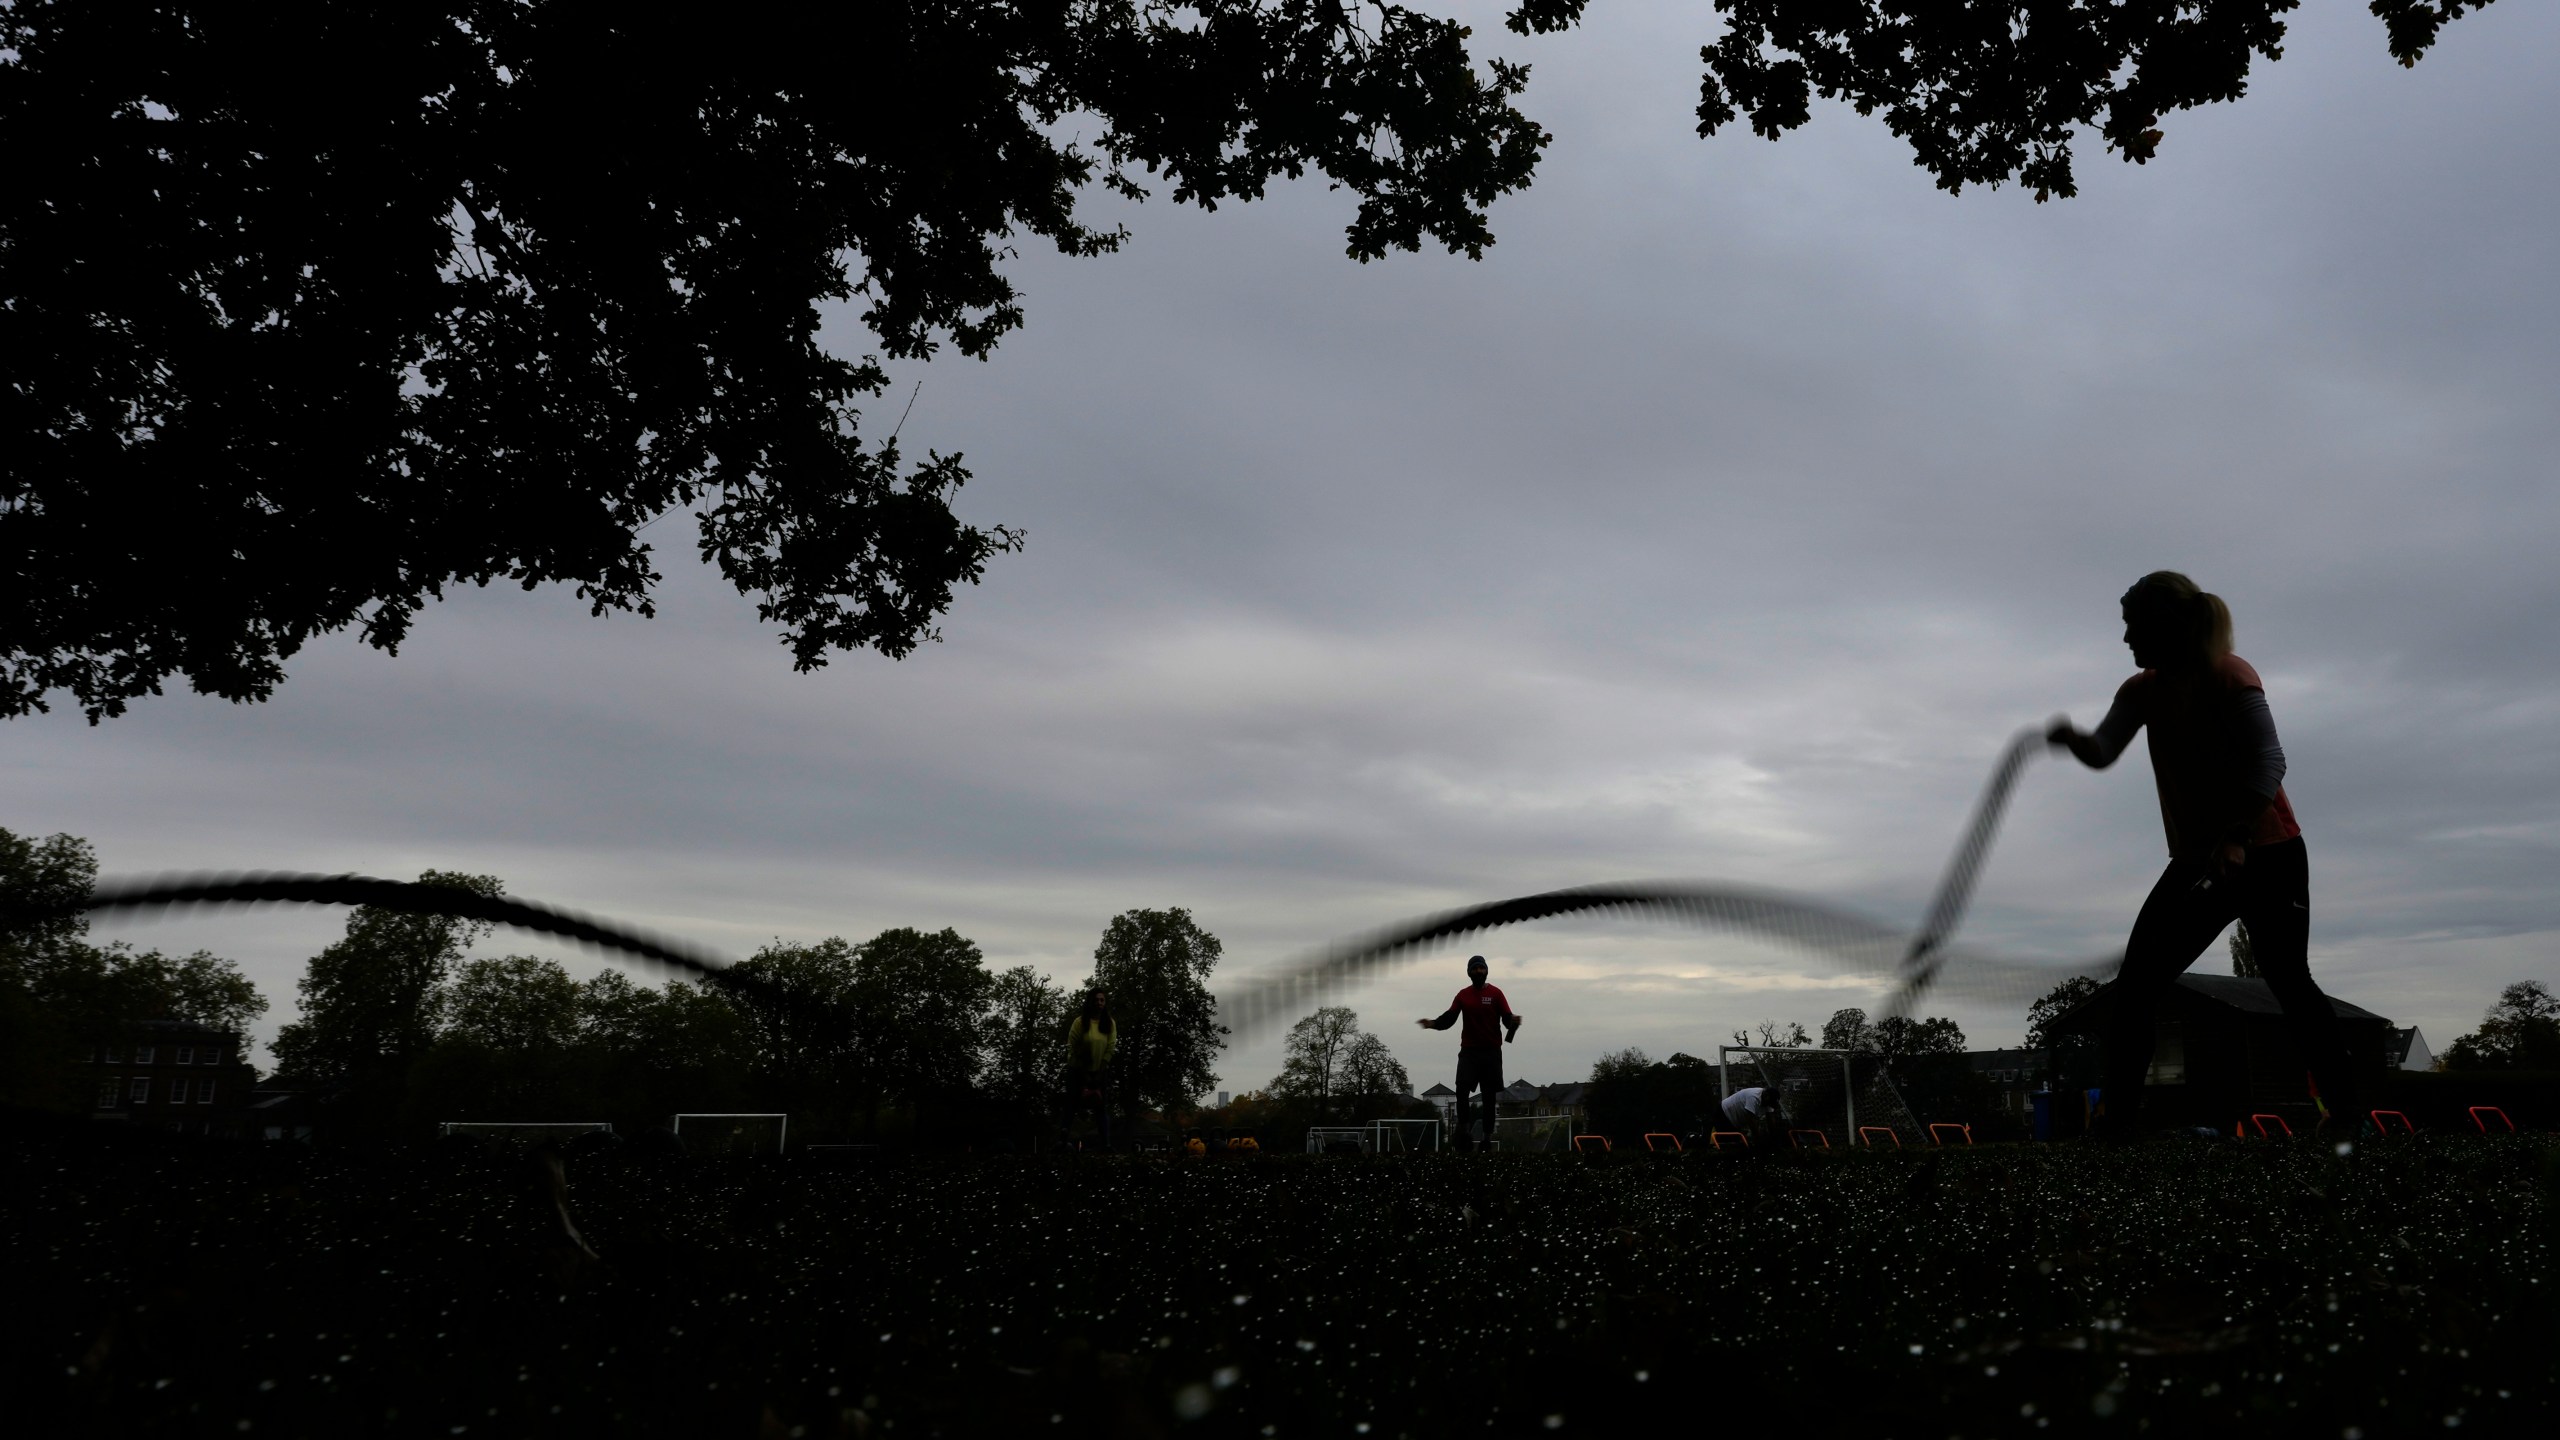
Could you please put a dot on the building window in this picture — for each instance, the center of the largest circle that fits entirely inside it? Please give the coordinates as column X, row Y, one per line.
column 204, row 1092
column 177, row 1092
column 141, row 1091
column 141, row 1054
column 186, row 1054
column 107, row 1092
column 114, row 1055
column 212, row 1055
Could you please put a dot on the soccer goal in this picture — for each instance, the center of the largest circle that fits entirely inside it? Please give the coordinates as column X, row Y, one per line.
column 1340, row 1139
column 1546, row 1133
column 1842, row 1093
column 1404, row 1137
column 710, row 1133
column 535, row 1130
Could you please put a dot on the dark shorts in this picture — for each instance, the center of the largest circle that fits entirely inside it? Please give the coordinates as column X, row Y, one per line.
column 1480, row 1069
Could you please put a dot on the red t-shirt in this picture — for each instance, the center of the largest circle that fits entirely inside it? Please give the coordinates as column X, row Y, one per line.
column 2200, row 753
column 1481, row 1012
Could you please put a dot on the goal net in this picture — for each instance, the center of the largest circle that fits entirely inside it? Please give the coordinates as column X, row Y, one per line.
column 1533, row 1132
column 1838, row 1092
column 527, row 1130
column 1405, row 1137
column 727, row 1134
column 1340, row 1139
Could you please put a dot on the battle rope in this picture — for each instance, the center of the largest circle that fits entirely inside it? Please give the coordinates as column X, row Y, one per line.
column 1844, row 936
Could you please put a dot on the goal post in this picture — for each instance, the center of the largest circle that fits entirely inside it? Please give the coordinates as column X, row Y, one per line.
column 1847, row 1091
column 717, row 1130
column 1543, row 1133
column 1405, row 1137
column 1322, row 1139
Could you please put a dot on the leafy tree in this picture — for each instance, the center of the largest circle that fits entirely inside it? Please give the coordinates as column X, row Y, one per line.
column 1329, row 1060
column 1155, row 964
column 1025, row 1042
column 513, row 1003
column 1990, row 92
column 374, row 1001
column 1370, row 1071
column 2520, row 1032
column 377, row 298
column 799, row 1020
column 1846, row 1030
column 61, row 995
column 2244, row 954
column 918, row 1003
column 2064, row 997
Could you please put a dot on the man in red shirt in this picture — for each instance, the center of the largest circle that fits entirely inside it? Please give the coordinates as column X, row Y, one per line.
column 1490, row 1025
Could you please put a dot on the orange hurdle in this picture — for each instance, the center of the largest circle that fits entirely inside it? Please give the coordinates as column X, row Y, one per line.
column 1578, row 1146
column 2478, row 1110
column 1653, row 1135
column 1965, row 1130
column 1867, row 1135
column 1794, row 1142
column 2382, row 1125
column 2261, row 1122
column 1716, row 1138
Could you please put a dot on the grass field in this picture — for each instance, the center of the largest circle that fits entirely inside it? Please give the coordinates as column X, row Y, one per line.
column 166, row 1289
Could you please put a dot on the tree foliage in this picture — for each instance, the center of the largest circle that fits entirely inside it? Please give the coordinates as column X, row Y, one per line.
column 1155, row 964
column 375, row 1000
column 2064, row 997
column 376, row 298
column 1329, row 1061
column 2520, row 1032
column 1025, row 1042
column 61, row 995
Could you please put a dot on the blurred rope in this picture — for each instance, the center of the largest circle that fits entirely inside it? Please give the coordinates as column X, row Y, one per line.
column 1915, row 964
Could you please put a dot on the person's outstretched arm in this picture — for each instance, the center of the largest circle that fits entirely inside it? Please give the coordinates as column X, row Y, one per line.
column 1446, row 1019
column 2098, row 749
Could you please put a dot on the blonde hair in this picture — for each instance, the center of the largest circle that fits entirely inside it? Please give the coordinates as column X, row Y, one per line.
column 2206, row 620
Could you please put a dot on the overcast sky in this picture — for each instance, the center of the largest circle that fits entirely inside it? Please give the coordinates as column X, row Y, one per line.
column 1722, row 523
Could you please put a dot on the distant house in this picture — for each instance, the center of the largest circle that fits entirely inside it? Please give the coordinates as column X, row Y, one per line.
column 1444, row 1100
column 2407, row 1050
column 2013, row 1076
column 171, row 1074
column 2221, row 1051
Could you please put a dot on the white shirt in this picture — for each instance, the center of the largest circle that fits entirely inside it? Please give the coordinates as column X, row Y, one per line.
column 1744, row 1105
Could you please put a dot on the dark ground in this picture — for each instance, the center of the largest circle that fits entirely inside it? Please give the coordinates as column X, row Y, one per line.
column 157, row 1287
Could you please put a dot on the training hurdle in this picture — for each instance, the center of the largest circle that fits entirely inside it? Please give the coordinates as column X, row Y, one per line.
column 1653, row 1135
column 2478, row 1110
column 1965, row 1130
column 2382, row 1122
column 1716, row 1139
column 1867, row 1135
column 1795, row 1139
column 1580, row 1149
column 2261, row 1122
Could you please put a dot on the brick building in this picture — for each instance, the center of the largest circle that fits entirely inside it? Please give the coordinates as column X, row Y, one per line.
column 171, row 1074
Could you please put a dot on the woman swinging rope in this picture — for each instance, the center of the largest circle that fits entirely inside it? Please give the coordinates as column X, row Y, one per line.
column 2235, row 851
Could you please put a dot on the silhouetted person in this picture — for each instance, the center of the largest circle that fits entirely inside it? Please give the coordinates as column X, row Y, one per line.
column 2235, row 851
column 1758, row 1112
column 1489, row 1026
column 1091, row 1040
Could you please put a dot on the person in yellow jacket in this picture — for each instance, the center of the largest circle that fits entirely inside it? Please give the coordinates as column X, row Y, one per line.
column 1091, row 1040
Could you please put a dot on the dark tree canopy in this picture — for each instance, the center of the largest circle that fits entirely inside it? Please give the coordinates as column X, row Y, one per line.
column 309, row 311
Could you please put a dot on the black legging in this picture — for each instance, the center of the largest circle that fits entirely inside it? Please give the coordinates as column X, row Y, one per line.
column 2271, row 894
